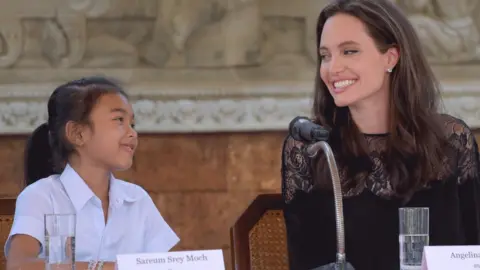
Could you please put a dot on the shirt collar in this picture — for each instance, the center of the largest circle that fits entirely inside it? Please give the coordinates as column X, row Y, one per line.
column 120, row 192
column 79, row 192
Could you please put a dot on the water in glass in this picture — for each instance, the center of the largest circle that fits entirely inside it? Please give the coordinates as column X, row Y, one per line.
column 59, row 242
column 411, row 250
column 413, row 237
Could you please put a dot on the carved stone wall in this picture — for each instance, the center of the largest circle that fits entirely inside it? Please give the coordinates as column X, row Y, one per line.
column 211, row 65
column 449, row 30
column 130, row 34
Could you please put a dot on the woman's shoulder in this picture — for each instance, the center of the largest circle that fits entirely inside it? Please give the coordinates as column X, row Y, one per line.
column 290, row 143
column 457, row 131
column 462, row 140
column 294, row 155
column 454, row 125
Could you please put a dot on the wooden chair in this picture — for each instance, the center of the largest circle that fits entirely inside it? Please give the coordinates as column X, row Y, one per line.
column 258, row 238
column 7, row 210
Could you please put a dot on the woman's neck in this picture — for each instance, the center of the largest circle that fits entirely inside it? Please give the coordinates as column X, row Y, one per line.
column 371, row 117
column 96, row 177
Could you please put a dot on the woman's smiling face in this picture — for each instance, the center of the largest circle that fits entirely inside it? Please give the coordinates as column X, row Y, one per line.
column 352, row 67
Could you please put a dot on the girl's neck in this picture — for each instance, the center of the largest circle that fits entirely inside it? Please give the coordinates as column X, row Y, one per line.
column 97, row 178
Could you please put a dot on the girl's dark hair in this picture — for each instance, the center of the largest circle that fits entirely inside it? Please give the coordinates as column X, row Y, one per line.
column 47, row 150
column 415, row 146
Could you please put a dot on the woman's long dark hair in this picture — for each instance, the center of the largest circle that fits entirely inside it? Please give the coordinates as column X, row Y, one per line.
column 415, row 147
column 47, row 150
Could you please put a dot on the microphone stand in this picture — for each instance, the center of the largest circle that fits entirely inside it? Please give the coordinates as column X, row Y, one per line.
column 312, row 151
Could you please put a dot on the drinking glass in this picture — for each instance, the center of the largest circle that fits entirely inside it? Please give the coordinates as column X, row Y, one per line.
column 414, row 236
column 60, row 241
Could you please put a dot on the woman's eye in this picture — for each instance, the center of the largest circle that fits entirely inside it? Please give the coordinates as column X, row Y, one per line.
column 120, row 119
column 323, row 57
column 348, row 52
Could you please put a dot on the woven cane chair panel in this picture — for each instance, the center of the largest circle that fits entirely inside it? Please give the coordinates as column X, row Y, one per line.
column 268, row 243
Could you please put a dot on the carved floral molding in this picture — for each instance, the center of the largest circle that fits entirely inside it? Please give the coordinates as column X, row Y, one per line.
column 252, row 107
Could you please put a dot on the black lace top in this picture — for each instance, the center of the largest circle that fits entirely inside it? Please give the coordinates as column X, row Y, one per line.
column 371, row 213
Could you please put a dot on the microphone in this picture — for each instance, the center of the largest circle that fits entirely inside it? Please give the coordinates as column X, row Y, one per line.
column 303, row 129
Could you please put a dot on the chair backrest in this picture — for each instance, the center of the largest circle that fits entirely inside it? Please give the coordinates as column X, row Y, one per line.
column 258, row 238
column 7, row 210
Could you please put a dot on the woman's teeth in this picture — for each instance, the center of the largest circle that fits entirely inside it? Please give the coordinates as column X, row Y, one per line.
column 344, row 83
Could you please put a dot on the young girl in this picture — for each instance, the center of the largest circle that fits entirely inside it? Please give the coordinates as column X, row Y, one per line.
column 90, row 133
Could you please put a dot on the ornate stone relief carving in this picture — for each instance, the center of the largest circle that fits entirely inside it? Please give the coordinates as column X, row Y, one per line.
column 196, row 34
column 122, row 33
column 448, row 29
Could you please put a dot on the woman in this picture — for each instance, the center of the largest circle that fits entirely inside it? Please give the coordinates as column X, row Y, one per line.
column 376, row 92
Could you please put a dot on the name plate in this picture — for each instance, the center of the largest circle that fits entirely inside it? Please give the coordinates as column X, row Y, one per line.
column 451, row 257
column 178, row 260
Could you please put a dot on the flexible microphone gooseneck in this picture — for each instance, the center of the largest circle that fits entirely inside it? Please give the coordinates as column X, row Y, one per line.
column 303, row 129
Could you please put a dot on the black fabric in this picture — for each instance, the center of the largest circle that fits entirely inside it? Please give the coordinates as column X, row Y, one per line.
column 371, row 215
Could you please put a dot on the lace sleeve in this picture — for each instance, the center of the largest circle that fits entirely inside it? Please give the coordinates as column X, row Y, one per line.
column 468, row 179
column 463, row 140
column 296, row 170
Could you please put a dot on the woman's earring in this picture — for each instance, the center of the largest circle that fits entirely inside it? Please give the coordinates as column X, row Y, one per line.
column 389, row 70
